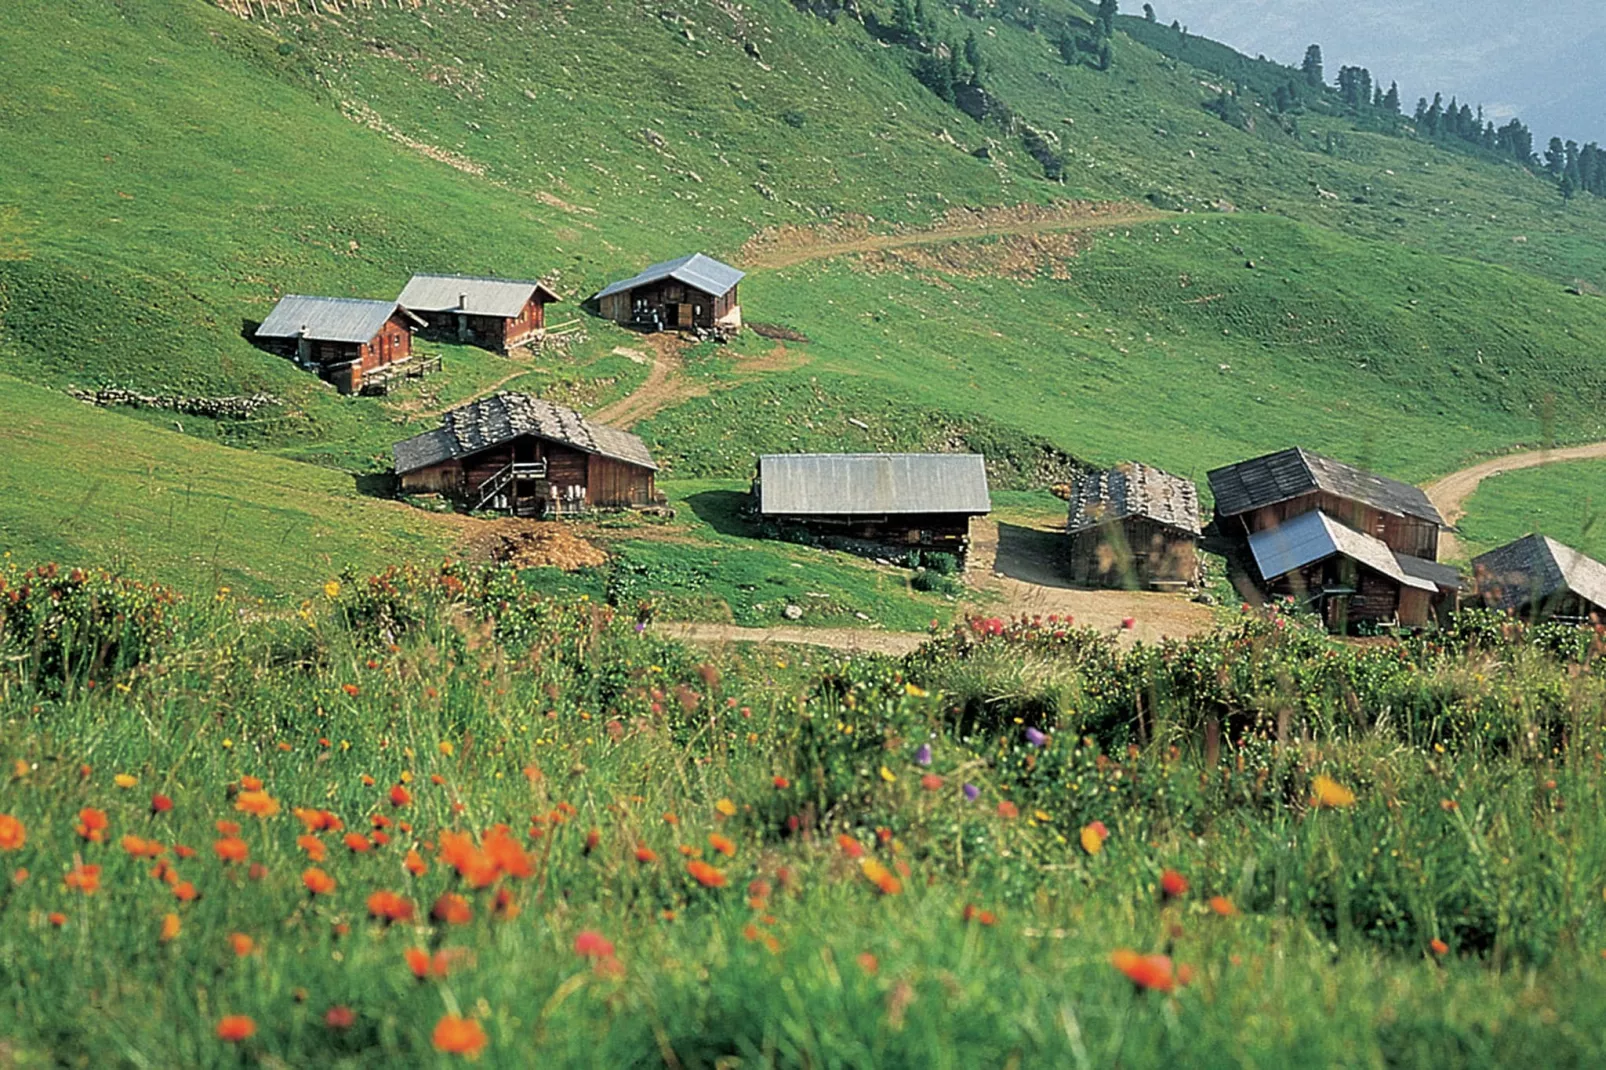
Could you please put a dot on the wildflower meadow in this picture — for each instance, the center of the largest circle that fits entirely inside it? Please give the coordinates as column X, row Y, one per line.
column 430, row 817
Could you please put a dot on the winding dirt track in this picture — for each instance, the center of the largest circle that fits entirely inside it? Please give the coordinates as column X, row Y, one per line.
column 759, row 255
column 1449, row 495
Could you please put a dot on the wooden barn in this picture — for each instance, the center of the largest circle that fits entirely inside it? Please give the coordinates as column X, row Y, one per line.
column 1349, row 577
column 1134, row 526
column 1538, row 578
column 341, row 338
column 1261, row 494
column 528, row 457
column 498, row 314
column 906, row 499
column 694, row 292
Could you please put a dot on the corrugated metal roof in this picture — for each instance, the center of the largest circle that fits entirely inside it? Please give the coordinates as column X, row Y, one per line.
column 1133, row 490
column 485, row 297
column 872, row 484
column 328, row 319
column 491, row 421
column 699, row 271
column 1537, row 568
column 1315, row 536
column 1277, row 477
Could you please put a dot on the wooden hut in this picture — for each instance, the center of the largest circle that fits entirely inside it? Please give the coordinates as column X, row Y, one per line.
column 1269, row 491
column 905, row 499
column 497, row 314
column 1134, row 526
column 1538, row 578
column 341, row 338
column 528, row 457
column 1349, row 577
column 693, row 293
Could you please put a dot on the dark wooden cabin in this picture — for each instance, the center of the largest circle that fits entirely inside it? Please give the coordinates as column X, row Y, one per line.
column 904, row 499
column 694, row 292
column 1349, row 577
column 1263, row 493
column 1538, row 578
column 497, row 314
column 342, row 339
column 528, row 457
column 1134, row 526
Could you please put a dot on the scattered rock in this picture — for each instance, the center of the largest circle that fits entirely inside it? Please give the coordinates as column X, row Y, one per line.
column 224, row 408
column 792, row 612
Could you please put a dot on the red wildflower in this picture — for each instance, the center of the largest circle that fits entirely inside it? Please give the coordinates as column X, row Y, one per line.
column 1008, row 809
column 235, row 1027
column 400, row 796
column 1145, row 971
column 592, row 945
column 1173, row 885
column 160, row 804
column 339, row 1017
column 646, row 855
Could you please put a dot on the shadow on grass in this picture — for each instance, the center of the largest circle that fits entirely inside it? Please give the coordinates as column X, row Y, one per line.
column 376, row 484
column 725, row 512
column 1032, row 556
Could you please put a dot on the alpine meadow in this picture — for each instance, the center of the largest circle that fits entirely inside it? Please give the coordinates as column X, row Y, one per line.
column 799, row 533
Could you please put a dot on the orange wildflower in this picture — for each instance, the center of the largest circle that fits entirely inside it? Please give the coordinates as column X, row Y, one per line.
column 850, row 846
column 232, row 849
column 593, row 838
column 781, row 783
column 56, row 918
column 84, row 878
column 250, row 783
column 400, row 796
column 185, row 892
column 1439, row 947
column 319, row 820
column 317, row 881
column 503, row 906
column 456, row 1035
column 242, row 944
column 339, row 1017
column 505, row 853
column 170, row 928
column 880, row 876
column 357, row 843
column 423, row 966
column 1008, row 809
column 256, row 803
column 389, row 907
column 415, row 863
column 473, row 865
column 12, row 833
column 228, row 828
column 974, row 913
column 257, row 871
column 92, row 824
column 314, row 847
column 705, row 874
column 452, row 909
column 868, row 962
column 1329, row 794
column 1145, row 971
column 931, row 782
column 723, row 844
column 1223, row 906
column 646, row 855
column 235, row 1027
column 183, row 851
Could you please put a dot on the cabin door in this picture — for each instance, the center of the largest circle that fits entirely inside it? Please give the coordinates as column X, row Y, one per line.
column 671, row 314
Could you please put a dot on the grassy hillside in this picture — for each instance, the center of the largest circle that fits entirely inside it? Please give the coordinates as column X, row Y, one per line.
column 1564, row 501
column 85, row 485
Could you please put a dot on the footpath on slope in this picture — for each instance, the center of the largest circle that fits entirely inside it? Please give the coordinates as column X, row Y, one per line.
column 782, row 247
column 1449, row 495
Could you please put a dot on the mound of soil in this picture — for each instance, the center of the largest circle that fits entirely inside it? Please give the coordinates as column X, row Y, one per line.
column 536, row 544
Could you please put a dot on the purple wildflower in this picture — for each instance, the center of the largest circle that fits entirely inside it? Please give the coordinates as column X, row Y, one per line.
column 1036, row 738
column 923, row 755
column 972, row 792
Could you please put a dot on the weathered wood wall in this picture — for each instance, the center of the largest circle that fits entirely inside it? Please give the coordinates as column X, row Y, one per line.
column 1407, row 535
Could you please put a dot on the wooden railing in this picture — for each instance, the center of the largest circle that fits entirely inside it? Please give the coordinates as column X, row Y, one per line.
column 500, row 480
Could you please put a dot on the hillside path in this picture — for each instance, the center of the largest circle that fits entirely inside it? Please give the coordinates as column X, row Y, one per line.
column 791, row 248
column 1449, row 495
column 848, row 640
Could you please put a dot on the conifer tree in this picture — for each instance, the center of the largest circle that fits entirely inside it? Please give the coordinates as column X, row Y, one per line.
column 1313, row 67
column 1106, row 17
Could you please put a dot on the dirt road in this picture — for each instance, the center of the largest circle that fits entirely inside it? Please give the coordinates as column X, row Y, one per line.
column 1449, row 495
column 788, row 246
column 845, row 639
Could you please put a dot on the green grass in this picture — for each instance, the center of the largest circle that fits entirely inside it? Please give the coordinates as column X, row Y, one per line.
column 489, row 706
column 1563, row 501
column 85, row 485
